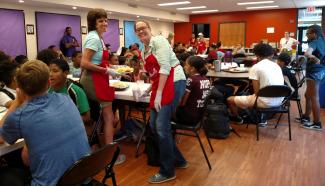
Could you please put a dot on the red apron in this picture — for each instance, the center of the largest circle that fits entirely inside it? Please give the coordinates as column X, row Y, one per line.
column 152, row 67
column 101, row 80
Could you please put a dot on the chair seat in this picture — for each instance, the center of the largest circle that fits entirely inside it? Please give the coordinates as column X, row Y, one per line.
column 179, row 126
column 279, row 109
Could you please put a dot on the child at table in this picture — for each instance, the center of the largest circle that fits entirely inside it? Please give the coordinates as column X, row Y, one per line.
column 59, row 83
column 138, row 72
column 190, row 110
column 7, row 76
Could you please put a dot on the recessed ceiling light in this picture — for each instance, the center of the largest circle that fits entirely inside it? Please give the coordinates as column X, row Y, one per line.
column 261, row 7
column 74, row 7
column 204, row 11
column 255, row 3
column 174, row 3
column 138, row 16
column 21, row 1
column 189, row 8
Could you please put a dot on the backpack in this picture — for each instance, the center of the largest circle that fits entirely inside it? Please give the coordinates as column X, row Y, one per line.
column 9, row 94
column 216, row 120
column 133, row 128
column 72, row 94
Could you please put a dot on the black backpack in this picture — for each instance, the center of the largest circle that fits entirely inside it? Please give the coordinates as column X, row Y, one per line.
column 216, row 120
column 9, row 94
column 71, row 92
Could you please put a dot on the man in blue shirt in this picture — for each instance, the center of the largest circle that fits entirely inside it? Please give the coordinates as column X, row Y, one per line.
column 68, row 43
column 50, row 125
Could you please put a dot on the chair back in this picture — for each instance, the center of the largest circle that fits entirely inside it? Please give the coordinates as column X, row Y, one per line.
column 90, row 165
column 274, row 91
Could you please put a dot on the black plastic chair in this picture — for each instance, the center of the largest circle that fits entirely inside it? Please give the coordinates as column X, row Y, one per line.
column 90, row 165
column 193, row 128
column 297, row 97
column 274, row 91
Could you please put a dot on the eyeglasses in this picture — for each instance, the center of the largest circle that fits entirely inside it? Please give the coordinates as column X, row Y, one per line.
column 138, row 30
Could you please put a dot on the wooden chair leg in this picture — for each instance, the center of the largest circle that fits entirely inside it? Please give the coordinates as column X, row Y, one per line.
column 205, row 155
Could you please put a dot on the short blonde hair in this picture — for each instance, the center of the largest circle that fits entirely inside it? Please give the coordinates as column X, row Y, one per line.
column 141, row 20
column 33, row 77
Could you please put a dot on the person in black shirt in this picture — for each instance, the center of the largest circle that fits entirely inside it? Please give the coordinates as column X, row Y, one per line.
column 289, row 75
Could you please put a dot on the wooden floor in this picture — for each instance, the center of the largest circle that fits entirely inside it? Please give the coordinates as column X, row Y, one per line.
column 271, row 161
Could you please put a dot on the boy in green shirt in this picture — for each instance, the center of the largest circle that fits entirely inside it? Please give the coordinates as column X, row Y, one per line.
column 59, row 70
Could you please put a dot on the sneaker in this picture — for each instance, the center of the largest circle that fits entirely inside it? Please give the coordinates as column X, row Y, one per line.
column 237, row 119
column 263, row 123
column 314, row 126
column 120, row 135
column 182, row 166
column 158, row 178
column 303, row 119
column 120, row 159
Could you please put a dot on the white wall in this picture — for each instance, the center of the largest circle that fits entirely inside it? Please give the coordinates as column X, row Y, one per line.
column 157, row 26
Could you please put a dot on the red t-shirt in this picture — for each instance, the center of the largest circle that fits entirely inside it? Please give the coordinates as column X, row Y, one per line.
column 201, row 47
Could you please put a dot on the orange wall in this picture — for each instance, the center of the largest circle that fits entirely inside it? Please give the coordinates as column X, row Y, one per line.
column 256, row 23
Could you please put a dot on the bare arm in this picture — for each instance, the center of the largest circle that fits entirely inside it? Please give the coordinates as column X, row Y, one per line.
column 162, row 82
column 85, row 117
column 184, row 98
column 87, row 64
column 20, row 99
column 256, row 86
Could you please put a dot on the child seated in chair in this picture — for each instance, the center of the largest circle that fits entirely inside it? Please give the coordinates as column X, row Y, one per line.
column 49, row 124
column 190, row 110
column 59, row 83
column 138, row 71
column 7, row 76
column 289, row 75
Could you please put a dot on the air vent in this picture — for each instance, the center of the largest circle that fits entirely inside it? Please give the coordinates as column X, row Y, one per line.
column 133, row 5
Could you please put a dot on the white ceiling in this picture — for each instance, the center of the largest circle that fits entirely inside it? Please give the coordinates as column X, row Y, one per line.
column 148, row 9
column 222, row 5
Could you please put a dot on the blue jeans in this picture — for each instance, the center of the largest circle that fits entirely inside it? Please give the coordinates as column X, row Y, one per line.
column 161, row 128
column 179, row 89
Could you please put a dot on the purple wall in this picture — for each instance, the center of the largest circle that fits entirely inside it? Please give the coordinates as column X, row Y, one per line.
column 50, row 28
column 112, row 36
column 12, row 32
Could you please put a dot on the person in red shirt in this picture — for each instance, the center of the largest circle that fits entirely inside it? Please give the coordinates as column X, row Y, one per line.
column 201, row 48
column 212, row 53
column 193, row 42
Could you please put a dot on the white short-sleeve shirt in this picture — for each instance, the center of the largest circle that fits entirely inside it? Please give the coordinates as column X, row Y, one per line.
column 267, row 73
column 4, row 98
column 287, row 44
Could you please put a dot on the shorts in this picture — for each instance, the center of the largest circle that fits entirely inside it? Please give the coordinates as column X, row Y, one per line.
column 245, row 102
column 315, row 72
column 86, row 81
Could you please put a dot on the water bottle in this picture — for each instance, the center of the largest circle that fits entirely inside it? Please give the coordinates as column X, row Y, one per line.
column 217, row 65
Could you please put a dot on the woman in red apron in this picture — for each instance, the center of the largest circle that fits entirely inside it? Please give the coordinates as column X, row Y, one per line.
column 95, row 77
column 161, row 101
